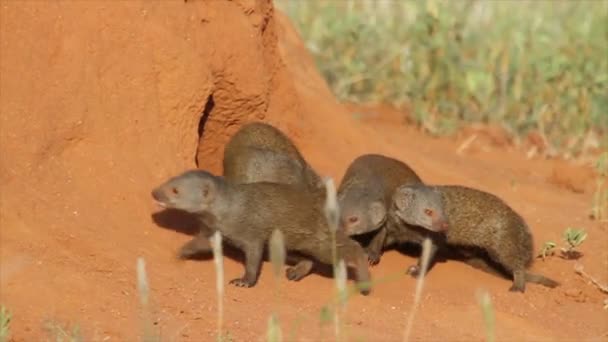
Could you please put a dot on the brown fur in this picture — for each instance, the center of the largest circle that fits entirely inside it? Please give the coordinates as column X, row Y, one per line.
column 247, row 214
column 259, row 152
column 365, row 194
column 474, row 219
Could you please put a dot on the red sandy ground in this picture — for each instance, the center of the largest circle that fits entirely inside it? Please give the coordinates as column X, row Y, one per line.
column 101, row 101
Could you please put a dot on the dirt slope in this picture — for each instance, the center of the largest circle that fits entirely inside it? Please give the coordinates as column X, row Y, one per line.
column 101, row 101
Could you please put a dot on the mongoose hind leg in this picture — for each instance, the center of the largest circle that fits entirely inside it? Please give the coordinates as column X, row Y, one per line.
column 519, row 281
column 513, row 263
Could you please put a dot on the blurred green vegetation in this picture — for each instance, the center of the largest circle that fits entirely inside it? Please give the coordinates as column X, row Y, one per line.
column 528, row 65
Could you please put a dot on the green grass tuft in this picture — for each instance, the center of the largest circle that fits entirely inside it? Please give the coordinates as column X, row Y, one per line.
column 61, row 333
column 5, row 323
column 599, row 210
column 485, row 302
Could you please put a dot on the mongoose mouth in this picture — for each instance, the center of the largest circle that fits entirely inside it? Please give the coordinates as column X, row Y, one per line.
column 441, row 226
column 161, row 204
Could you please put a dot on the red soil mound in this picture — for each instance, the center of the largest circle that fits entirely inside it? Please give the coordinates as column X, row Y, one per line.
column 101, row 101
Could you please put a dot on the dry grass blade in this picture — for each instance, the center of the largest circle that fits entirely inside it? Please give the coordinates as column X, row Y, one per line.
column 579, row 269
column 218, row 261
column 426, row 250
column 277, row 252
column 277, row 258
column 332, row 214
column 143, row 289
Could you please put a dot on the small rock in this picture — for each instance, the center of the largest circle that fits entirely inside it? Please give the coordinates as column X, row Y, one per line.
column 573, row 292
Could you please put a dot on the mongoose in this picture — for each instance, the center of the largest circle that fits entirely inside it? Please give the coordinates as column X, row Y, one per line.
column 246, row 215
column 259, row 152
column 365, row 195
column 474, row 219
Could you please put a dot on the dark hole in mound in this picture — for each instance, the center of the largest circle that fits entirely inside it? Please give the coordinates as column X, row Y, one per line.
column 201, row 124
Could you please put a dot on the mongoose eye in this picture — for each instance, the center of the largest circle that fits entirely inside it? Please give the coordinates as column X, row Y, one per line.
column 353, row 219
column 175, row 191
column 428, row 212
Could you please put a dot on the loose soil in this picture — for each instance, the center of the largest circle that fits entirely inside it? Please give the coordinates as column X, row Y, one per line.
column 101, row 101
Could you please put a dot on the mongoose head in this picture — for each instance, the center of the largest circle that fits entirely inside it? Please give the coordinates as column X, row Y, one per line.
column 422, row 206
column 192, row 191
column 360, row 212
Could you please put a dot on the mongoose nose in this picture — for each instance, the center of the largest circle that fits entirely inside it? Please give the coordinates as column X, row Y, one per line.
column 155, row 194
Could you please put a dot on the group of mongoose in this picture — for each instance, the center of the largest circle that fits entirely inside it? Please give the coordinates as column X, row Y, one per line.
column 267, row 184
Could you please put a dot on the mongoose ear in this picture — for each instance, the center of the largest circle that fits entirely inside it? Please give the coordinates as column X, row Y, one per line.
column 208, row 191
column 404, row 197
column 377, row 213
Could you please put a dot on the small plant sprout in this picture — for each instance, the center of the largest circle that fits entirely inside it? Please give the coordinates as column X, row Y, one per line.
column 5, row 324
column 218, row 256
column 547, row 250
column 574, row 238
column 485, row 302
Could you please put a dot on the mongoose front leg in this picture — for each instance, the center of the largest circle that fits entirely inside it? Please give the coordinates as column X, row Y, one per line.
column 253, row 259
column 199, row 244
column 358, row 260
column 414, row 270
column 299, row 270
column 374, row 249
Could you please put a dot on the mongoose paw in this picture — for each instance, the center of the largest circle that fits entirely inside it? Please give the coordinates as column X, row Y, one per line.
column 188, row 250
column 413, row 270
column 292, row 274
column 241, row 282
column 373, row 258
column 516, row 288
column 364, row 290
column 185, row 253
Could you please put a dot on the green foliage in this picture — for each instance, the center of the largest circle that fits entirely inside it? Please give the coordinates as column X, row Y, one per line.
column 60, row 333
column 326, row 315
column 274, row 333
column 573, row 237
column 225, row 337
column 599, row 210
column 530, row 65
column 548, row 249
column 485, row 302
column 5, row 323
